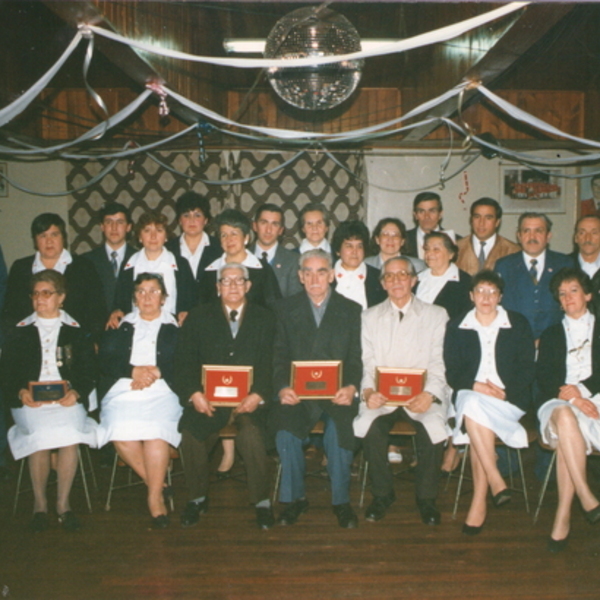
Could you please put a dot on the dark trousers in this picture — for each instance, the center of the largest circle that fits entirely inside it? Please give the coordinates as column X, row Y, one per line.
column 249, row 443
column 429, row 457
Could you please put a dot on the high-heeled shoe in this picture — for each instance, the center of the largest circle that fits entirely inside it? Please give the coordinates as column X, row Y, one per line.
column 160, row 522
column 472, row 529
column 593, row 516
column 556, row 546
column 501, row 498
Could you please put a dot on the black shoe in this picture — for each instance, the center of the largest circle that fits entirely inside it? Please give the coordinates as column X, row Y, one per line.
column 69, row 521
column 224, row 474
column 167, row 493
column 292, row 511
column 593, row 516
column 502, row 498
column 160, row 522
column 39, row 522
column 430, row 515
column 264, row 517
column 346, row 517
column 192, row 511
column 556, row 546
column 472, row 529
column 376, row 510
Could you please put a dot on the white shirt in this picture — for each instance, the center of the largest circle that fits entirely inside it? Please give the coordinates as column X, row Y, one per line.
column 250, row 261
column 258, row 252
column 351, row 284
column 431, row 285
column 589, row 267
column 488, row 245
column 64, row 260
column 194, row 257
column 120, row 257
column 579, row 334
column 305, row 246
column 541, row 262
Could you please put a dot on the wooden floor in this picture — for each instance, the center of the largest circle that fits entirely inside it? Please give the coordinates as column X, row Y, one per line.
column 117, row 556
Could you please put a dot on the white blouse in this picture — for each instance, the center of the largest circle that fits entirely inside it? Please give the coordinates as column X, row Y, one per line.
column 351, row 284
column 579, row 334
column 431, row 285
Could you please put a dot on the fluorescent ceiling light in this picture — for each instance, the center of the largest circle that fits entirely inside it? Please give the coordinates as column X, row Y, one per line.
column 257, row 46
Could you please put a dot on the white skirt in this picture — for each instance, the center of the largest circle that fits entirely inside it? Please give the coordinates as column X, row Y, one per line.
column 132, row 415
column 590, row 428
column 498, row 415
column 48, row 427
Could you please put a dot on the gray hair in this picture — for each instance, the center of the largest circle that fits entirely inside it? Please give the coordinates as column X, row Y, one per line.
column 233, row 265
column 316, row 253
column 410, row 267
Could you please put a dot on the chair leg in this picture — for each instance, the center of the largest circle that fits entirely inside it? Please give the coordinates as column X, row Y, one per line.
column 84, row 479
column 544, row 487
column 523, row 484
column 91, row 467
column 460, row 480
column 363, row 486
column 112, row 483
column 277, row 482
column 169, row 483
column 18, row 490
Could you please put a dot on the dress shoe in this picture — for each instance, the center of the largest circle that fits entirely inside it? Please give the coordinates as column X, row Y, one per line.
column 346, row 517
column 430, row 515
column 192, row 511
column 472, row 529
column 39, row 522
column 224, row 474
column 376, row 510
column 292, row 511
column 556, row 546
column 264, row 517
column 593, row 516
column 502, row 498
column 160, row 522
column 69, row 521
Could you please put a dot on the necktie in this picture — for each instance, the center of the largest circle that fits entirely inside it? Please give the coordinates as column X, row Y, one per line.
column 481, row 257
column 114, row 263
column 233, row 322
column 264, row 259
column 400, row 316
column 533, row 271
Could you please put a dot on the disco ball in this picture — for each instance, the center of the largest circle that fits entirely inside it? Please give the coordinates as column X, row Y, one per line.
column 312, row 32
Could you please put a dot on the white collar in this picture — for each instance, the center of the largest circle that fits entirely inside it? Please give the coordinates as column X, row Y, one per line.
column 250, row 261
column 135, row 319
column 258, row 251
column 305, row 246
column 63, row 261
column 451, row 274
column 500, row 322
column 489, row 243
column 541, row 258
column 404, row 309
column 165, row 257
column 185, row 249
column 64, row 317
column 359, row 273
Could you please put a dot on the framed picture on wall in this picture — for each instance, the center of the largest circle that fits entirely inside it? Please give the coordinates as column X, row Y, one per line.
column 589, row 191
column 3, row 182
column 523, row 190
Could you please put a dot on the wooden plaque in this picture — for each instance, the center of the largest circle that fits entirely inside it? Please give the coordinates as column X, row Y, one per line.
column 399, row 385
column 316, row 380
column 226, row 385
column 48, row 391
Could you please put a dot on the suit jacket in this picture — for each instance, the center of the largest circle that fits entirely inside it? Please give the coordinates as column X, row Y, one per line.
column 455, row 295
column 533, row 301
column 551, row 372
column 595, row 304
column 115, row 353
column 468, row 262
column 100, row 259
column 3, row 278
column 298, row 338
column 206, row 339
column 209, row 254
column 416, row 342
column 285, row 266
column 374, row 292
column 21, row 362
column 84, row 301
column 514, row 352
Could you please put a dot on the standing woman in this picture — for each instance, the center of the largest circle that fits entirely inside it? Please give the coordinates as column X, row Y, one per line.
column 568, row 377
column 49, row 345
column 151, row 232
column 489, row 356
column 139, row 411
column 84, row 301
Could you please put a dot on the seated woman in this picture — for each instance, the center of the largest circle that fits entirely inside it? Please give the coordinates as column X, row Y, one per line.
column 568, row 377
column 139, row 410
column 85, row 302
column 49, row 345
column 387, row 241
column 151, row 231
column 489, row 356
column 443, row 283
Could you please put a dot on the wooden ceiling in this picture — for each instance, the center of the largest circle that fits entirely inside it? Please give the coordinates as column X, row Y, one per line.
column 544, row 48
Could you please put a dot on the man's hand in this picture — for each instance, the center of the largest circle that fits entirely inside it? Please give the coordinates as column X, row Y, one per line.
column 374, row 399
column 420, row 403
column 344, row 396
column 249, row 404
column 288, row 396
column 201, row 404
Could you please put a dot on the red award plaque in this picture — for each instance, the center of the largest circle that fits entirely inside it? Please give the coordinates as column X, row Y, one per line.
column 226, row 385
column 399, row 385
column 316, row 380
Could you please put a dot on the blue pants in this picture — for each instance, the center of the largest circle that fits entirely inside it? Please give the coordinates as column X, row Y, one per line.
column 293, row 465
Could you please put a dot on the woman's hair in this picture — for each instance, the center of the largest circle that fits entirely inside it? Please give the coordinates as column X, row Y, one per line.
column 487, row 276
column 379, row 227
column 570, row 274
column 350, row 230
column 44, row 221
column 236, row 219
column 189, row 201
column 447, row 241
column 54, row 278
column 150, row 218
column 150, row 277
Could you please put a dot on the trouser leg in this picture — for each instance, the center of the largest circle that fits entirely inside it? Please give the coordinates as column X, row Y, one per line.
column 293, row 466
column 251, row 447
column 375, row 445
column 196, row 466
column 339, row 462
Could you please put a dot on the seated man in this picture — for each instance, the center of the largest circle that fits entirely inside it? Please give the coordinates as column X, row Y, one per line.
column 403, row 332
column 316, row 324
column 228, row 331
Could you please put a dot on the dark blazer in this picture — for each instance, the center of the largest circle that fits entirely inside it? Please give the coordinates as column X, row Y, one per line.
column 455, row 295
column 100, row 260
column 3, row 278
column 515, row 356
column 21, row 362
column 285, row 266
column 298, row 338
column 209, row 255
column 551, row 372
column 533, row 301
column 84, row 301
column 184, row 281
column 115, row 353
column 206, row 339
column 374, row 292
column 595, row 285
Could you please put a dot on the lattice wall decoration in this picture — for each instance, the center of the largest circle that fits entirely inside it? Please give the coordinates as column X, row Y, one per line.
column 144, row 185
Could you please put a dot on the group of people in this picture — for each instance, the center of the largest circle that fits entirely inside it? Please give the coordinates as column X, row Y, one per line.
column 134, row 329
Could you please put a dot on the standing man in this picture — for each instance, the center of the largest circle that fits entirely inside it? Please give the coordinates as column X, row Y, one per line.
column 110, row 257
column 403, row 332
column 314, row 225
column 268, row 226
column 591, row 206
column 316, row 324
column 485, row 245
column 427, row 213
column 587, row 255
column 527, row 274
column 228, row 331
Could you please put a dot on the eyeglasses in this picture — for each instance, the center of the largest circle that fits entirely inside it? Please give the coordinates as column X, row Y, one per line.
column 389, row 234
column 44, row 294
column 486, row 291
column 143, row 293
column 398, row 275
column 228, row 281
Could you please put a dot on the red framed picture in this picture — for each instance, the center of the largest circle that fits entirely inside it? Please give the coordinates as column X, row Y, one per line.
column 399, row 385
column 316, row 380
column 226, row 385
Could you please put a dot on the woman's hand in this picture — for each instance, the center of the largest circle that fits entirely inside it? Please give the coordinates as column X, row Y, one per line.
column 489, row 388
column 587, row 407
column 144, row 377
column 115, row 319
column 69, row 399
column 568, row 392
column 181, row 317
column 27, row 399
